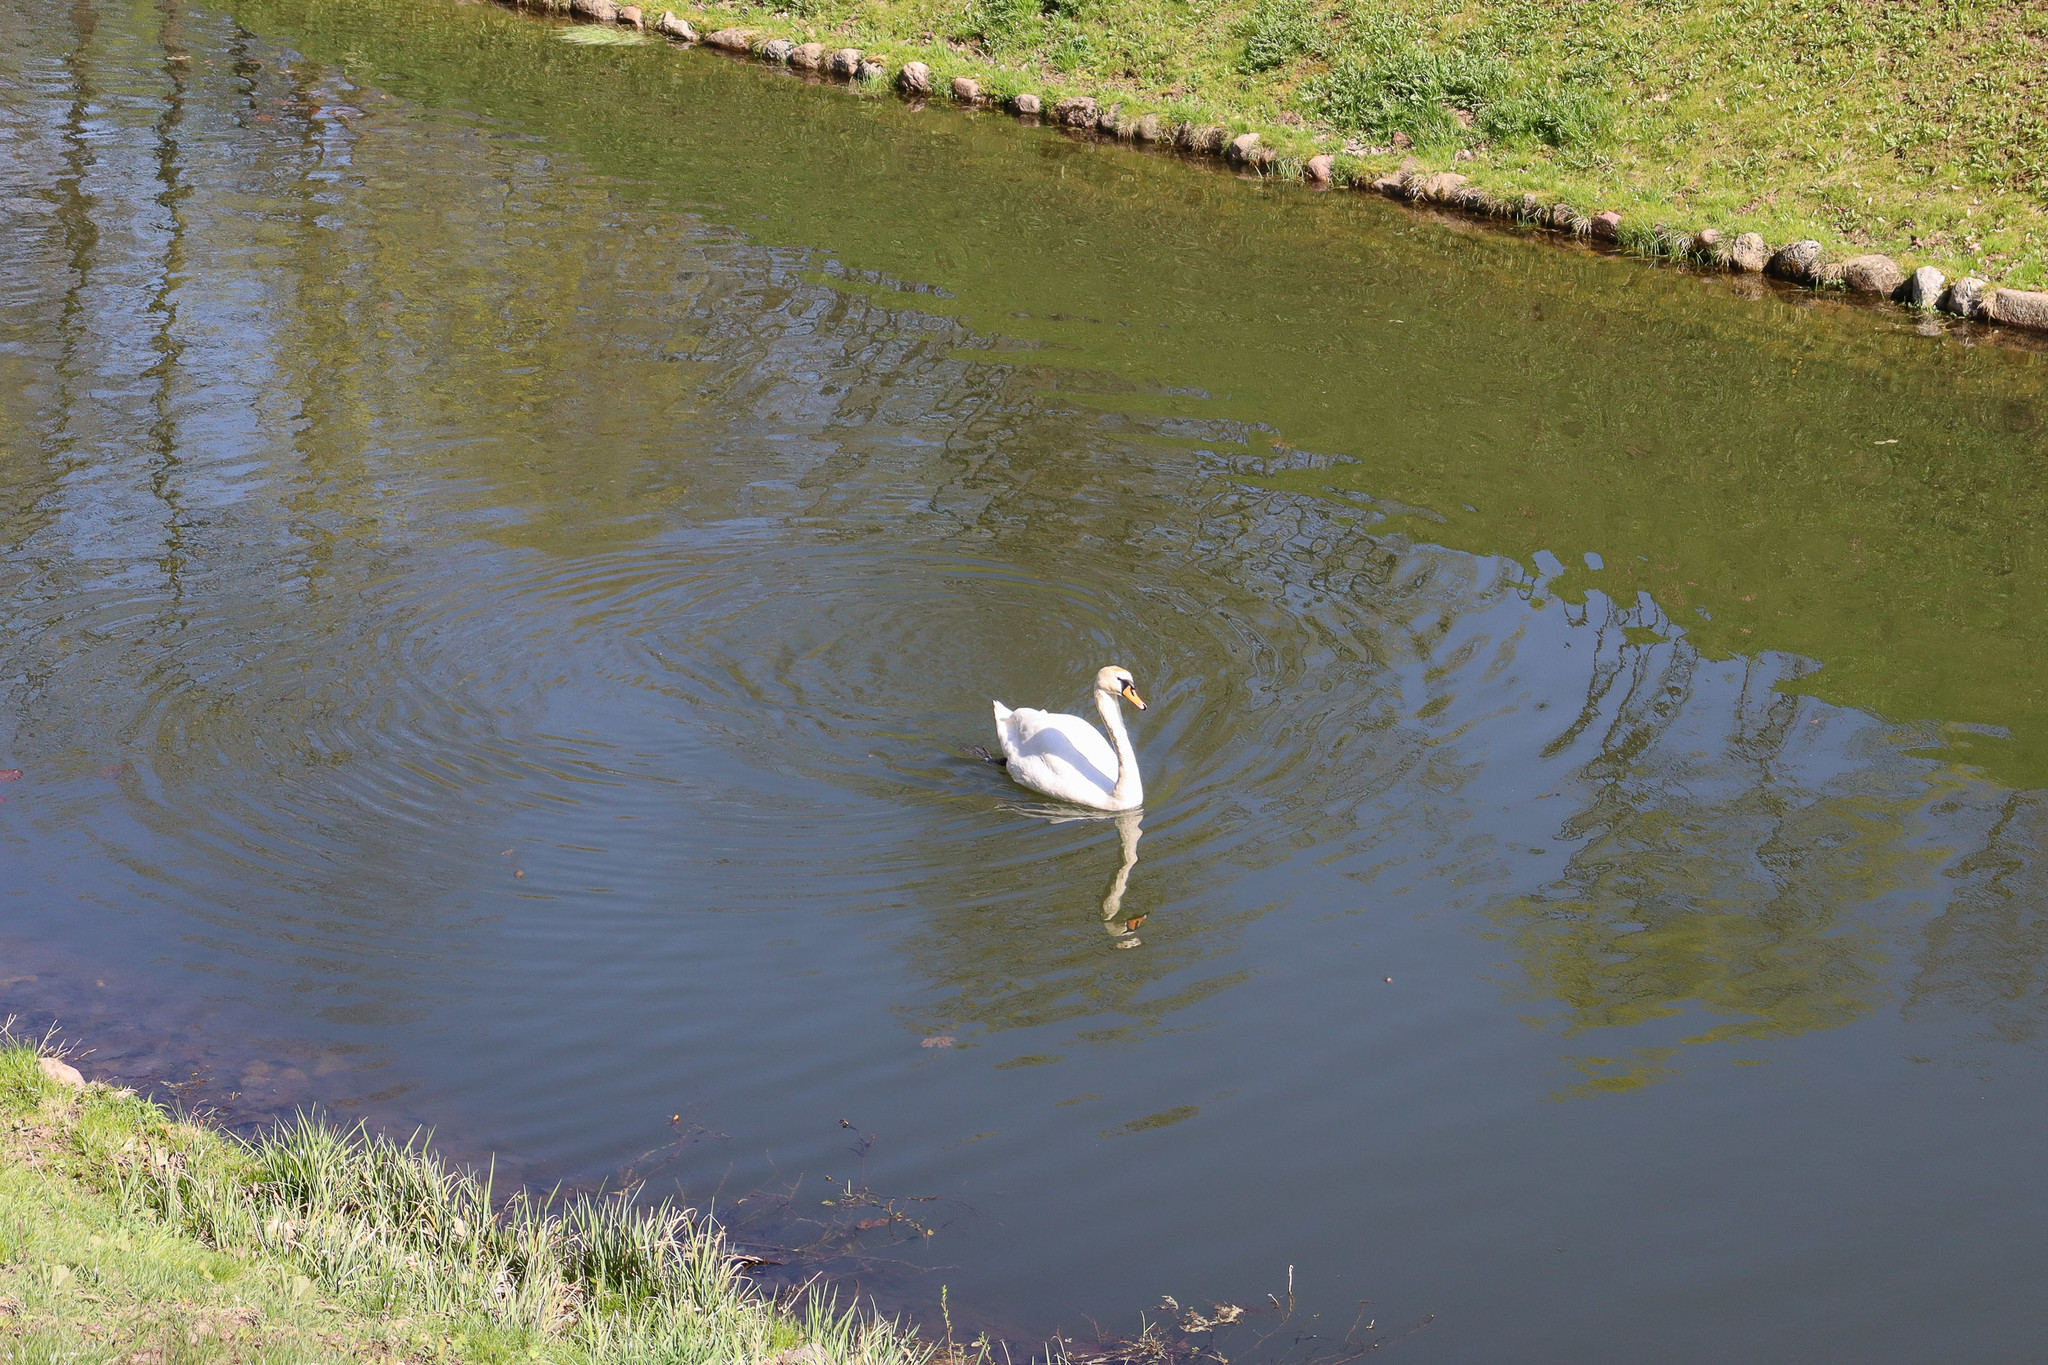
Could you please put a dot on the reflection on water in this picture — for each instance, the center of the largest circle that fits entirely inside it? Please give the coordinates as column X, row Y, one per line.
column 499, row 596
column 1130, row 827
column 1122, row 928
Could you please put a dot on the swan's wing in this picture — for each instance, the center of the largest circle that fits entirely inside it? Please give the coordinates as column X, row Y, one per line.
column 1050, row 732
column 1054, row 776
column 1062, row 756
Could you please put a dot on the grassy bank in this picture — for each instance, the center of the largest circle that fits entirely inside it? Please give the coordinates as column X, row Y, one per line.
column 1916, row 128
column 125, row 1233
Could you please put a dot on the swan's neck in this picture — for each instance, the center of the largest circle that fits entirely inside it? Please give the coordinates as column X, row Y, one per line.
column 1129, row 790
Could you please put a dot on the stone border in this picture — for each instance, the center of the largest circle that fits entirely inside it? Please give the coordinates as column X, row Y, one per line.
column 1872, row 276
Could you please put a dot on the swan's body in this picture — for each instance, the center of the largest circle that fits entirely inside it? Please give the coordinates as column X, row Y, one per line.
column 1067, row 758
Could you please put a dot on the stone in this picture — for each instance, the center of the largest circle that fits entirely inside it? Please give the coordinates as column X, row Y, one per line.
column 1965, row 298
column 630, row 16
column 808, row 56
column 1829, row 275
column 1749, row 253
column 1029, row 106
column 1710, row 248
column 870, row 70
column 1105, row 122
column 1798, row 261
column 1391, row 186
column 914, row 79
column 2018, row 308
column 593, row 9
column 967, row 90
column 732, row 39
column 1208, row 141
column 1077, row 111
column 1148, row 128
column 1607, row 225
column 1321, row 170
column 1922, row 288
column 1872, row 274
column 777, row 50
column 1263, row 160
column 1242, row 146
column 1402, row 142
column 812, row 1354
column 677, row 27
column 1441, row 188
column 62, row 1072
column 845, row 62
column 1531, row 208
column 1562, row 216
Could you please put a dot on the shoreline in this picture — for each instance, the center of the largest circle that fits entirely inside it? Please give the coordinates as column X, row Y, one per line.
column 145, row 1229
column 141, row 1230
column 1869, row 277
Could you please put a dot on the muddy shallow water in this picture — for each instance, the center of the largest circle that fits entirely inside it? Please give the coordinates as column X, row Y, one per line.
column 506, row 547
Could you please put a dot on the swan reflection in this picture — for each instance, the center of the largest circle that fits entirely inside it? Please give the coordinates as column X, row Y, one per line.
column 1129, row 829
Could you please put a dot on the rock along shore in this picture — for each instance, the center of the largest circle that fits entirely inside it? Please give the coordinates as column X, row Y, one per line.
column 1802, row 263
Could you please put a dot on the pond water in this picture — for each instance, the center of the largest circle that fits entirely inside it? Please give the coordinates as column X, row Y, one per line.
column 507, row 545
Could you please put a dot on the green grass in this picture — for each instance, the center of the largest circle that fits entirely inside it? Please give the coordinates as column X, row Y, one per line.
column 1914, row 127
column 125, row 1231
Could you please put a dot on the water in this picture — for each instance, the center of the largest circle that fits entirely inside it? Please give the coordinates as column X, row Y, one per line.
column 507, row 544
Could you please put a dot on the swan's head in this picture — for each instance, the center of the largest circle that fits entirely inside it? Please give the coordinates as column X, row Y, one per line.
column 1117, row 683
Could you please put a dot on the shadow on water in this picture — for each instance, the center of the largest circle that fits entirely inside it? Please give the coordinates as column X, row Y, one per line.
column 508, row 546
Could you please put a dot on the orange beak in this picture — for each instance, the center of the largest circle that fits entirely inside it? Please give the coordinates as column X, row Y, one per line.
column 1131, row 696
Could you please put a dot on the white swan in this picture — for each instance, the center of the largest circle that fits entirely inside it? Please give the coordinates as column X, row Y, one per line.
column 1065, row 757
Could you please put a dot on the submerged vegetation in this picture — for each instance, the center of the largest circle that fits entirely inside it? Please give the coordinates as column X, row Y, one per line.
column 1917, row 128
column 125, row 1231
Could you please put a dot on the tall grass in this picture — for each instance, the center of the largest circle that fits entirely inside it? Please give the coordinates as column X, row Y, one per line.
column 1278, row 31
column 1400, row 86
column 395, row 1232
column 391, row 1225
column 1408, row 89
column 996, row 24
column 1565, row 117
